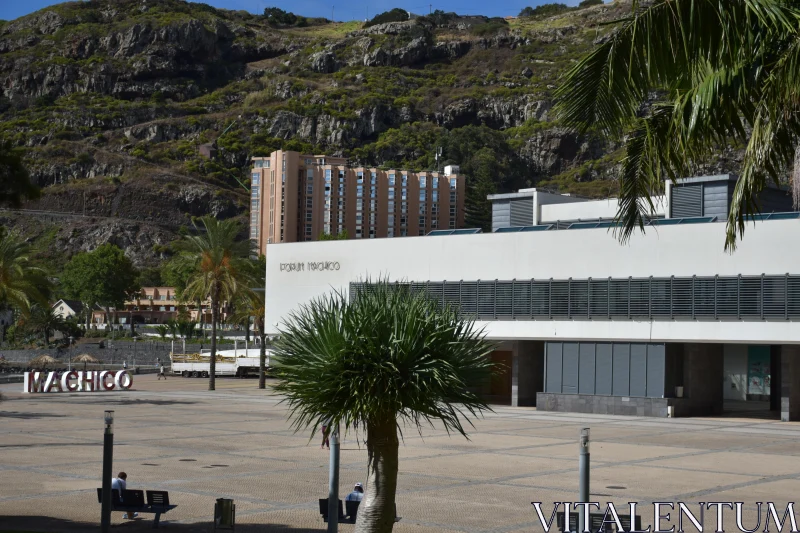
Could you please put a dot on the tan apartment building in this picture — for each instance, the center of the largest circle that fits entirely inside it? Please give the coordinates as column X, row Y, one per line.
column 297, row 197
column 157, row 305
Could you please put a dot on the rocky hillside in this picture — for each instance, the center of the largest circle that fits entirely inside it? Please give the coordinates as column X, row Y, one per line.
column 112, row 99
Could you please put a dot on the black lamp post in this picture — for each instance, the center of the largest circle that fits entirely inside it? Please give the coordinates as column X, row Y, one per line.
column 108, row 455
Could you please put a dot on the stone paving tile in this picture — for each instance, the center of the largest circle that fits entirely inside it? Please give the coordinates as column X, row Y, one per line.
column 50, row 462
column 739, row 462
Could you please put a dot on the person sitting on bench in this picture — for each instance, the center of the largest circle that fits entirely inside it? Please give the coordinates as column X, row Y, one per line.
column 120, row 483
column 357, row 495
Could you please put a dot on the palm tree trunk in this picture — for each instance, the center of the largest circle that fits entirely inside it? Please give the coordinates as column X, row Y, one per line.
column 377, row 510
column 212, row 373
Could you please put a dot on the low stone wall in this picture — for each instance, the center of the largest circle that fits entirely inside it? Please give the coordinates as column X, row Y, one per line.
column 144, row 353
column 603, row 405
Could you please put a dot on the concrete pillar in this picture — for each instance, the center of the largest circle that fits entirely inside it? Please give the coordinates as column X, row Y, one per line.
column 703, row 379
column 790, row 383
column 527, row 372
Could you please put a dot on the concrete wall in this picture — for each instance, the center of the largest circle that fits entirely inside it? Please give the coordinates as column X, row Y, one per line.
column 790, row 383
column 735, row 369
column 702, row 380
column 688, row 250
column 604, row 405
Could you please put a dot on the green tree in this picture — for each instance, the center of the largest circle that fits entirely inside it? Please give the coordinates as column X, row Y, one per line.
column 162, row 331
column 394, row 15
column 176, row 273
column 104, row 277
column 15, row 183
column 21, row 282
column 589, row 3
column 340, row 236
column 726, row 73
column 544, row 10
column 390, row 357
column 251, row 304
column 219, row 262
column 45, row 321
column 275, row 15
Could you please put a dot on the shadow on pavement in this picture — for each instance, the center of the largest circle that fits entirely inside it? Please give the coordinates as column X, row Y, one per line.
column 28, row 416
column 26, row 524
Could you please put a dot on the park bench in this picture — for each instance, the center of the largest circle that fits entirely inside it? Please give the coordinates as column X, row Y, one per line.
column 596, row 522
column 348, row 517
column 133, row 502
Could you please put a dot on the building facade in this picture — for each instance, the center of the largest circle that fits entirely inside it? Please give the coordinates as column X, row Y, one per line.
column 297, row 198
column 669, row 324
column 157, row 305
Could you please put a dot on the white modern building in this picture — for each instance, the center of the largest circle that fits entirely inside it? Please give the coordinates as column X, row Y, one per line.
column 669, row 324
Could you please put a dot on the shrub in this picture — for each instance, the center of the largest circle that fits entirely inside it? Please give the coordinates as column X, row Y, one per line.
column 544, row 10
column 395, row 15
column 589, row 3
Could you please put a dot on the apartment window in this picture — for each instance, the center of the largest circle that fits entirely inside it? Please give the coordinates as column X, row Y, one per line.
column 309, row 161
column 284, row 162
column 452, row 184
column 358, row 232
column 254, row 178
column 373, row 178
column 404, row 194
column 359, row 205
column 423, row 195
column 404, row 180
column 327, row 174
column 373, row 192
column 390, row 220
column 309, row 202
column 391, row 206
column 359, row 191
column 309, row 217
column 423, row 181
column 390, row 232
column 403, row 220
column 283, row 177
column 403, row 232
column 371, row 233
column 422, row 221
column 422, row 209
column 403, row 208
column 162, row 308
column 163, row 297
column 435, row 182
column 391, row 194
column 359, row 177
column 391, row 180
column 310, row 174
column 435, row 195
column 434, row 223
column 359, row 218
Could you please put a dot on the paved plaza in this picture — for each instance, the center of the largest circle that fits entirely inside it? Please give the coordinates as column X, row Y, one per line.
column 236, row 442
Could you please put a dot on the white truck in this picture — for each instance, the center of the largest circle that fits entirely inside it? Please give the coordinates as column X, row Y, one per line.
column 239, row 363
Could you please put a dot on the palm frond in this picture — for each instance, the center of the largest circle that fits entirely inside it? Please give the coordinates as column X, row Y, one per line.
column 388, row 353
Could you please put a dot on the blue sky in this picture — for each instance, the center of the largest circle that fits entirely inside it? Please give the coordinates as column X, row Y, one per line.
column 343, row 9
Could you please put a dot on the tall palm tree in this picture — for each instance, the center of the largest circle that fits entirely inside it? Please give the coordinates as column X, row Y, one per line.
column 680, row 79
column 219, row 259
column 251, row 304
column 162, row 331
column 388, row 358
column 21, row 283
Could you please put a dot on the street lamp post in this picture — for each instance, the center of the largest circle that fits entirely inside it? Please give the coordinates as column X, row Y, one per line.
column 69, row 366
column 583, row 470
column 108, row 456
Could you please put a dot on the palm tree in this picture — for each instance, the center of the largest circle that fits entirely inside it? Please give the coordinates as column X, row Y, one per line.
column 21, row 283
column 44, row 320
column 162, row 331
column 390, row 357
column 723, row 73
column 220, row 270
column 251, row 304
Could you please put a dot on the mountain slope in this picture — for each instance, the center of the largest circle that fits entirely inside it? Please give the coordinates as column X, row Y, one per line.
column 111, row 100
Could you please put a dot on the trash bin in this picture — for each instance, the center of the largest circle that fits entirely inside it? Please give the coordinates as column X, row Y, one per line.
column 224, row 514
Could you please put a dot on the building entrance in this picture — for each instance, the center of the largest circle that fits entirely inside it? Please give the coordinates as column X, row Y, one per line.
column 751, row 386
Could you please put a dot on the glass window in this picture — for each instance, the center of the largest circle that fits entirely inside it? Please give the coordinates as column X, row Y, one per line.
column 254, row 177
column 423, row 181
column 435, row 195
column 373, row 192
column 404, row 180
column 391, row 194
column 310, row 174
column 404, row 194
column 423, row 195
column 359, row 177
column 452, row 183
column 327, row 174
column 435, row 182
column 359, row 191
column 373, row 178
column 391, row 180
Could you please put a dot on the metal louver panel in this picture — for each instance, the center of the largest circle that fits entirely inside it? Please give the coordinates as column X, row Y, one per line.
column 687, row 201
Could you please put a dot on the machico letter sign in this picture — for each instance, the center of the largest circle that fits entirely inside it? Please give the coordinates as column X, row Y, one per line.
column 75, row 381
